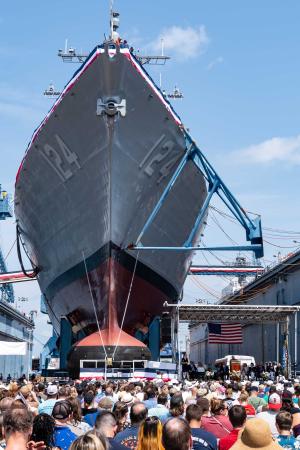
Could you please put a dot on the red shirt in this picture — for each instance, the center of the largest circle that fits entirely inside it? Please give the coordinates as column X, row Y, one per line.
column 250, row 411
column 220, row 425
column 227, row 442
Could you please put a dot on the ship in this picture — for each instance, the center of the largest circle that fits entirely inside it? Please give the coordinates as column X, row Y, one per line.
column 92, row 173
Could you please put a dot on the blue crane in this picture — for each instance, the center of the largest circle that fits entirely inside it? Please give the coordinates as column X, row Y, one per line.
column 6, row 290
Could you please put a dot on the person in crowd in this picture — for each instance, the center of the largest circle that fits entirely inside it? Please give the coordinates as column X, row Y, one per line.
column 254, row 400
column 150, row 434
column 43, row 430
column 150, row 397
column 40, row 393
column 47, row 406
column 63, row 436
column 176, row 405
column 204, row 405
column 76, row 424
column 284, row 425
column 229, row 397
column 120, row 410
column 106, row 425
column 244, row 401
column 105, row 404
column 185, row 365
column 129, row 436
column 161, row 411
column 177, row 435
column 88, row 403
column 218, row 423
column 202, row 440
column 88, row 441
column 63, row 393
column 17, row 428
column 237, row 416
column 271, row 389
column 269, row 415
column 256, row 435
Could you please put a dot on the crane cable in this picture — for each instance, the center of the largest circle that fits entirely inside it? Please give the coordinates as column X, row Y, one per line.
column 36, row 269
column 93, row 303
column 126, row 305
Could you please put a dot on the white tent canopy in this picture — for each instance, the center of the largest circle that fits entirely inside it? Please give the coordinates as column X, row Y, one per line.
column 13, row 348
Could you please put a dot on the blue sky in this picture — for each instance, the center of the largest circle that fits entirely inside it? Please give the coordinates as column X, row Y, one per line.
column 237, row 64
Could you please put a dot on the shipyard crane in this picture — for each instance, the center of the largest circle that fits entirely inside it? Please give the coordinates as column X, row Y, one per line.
column 6, row 290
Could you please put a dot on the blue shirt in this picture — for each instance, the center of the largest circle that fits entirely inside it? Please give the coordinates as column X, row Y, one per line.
column 203, row 440
column 150, row 403
column 287, row 441
column 159, row 411
column 128, row 437
column 47, row 406
column 63, row 437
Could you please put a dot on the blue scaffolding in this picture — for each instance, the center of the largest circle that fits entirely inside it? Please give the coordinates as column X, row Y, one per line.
column 6, row 290
column 215, row 185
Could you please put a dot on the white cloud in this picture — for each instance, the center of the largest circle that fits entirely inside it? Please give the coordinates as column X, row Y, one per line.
column 183, row 43
column 277, row 149
column 215, row 62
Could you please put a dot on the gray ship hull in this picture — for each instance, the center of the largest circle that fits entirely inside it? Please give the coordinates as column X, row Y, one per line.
column 86, row 186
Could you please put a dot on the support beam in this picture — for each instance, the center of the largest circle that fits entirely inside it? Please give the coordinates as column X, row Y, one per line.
column 214, row 185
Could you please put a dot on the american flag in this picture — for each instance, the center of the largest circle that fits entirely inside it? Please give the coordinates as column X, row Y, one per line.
column 225, row 333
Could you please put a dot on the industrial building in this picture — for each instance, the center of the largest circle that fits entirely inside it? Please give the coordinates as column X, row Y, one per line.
column 14, row 326
column 279, row 285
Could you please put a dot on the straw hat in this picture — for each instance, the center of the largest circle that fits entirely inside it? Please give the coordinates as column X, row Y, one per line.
column 256, row 434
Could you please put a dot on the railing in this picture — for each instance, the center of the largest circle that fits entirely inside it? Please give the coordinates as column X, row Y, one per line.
column 5, row 207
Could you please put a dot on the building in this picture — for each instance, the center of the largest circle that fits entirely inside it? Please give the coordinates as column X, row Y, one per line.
column 279, row 285
column 15, row 327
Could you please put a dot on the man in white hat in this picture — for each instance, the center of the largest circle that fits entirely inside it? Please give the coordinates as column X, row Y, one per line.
column 48, row 405
column 269, row 416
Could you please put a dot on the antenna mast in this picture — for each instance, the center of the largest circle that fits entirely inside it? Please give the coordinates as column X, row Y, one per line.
column 110, row 18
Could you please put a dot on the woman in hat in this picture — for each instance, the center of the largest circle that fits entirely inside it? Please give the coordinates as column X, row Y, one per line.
column 256, row 434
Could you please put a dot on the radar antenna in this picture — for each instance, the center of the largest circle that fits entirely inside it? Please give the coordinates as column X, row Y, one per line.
column 70, row 55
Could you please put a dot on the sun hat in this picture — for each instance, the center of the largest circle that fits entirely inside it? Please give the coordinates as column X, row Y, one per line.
column 52, row 389
column 274, row 401
column 201, row 392
column 61, row 410
column 256, row 434
column 127, row 398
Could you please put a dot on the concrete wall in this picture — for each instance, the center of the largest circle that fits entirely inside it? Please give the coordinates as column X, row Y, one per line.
column 260, row 341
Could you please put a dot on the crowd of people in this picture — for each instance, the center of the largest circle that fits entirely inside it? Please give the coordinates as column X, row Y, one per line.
column 150, row 415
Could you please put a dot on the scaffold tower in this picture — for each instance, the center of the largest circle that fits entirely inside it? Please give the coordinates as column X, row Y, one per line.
column 6, row 290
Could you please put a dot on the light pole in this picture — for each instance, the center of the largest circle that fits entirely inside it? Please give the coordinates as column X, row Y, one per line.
column 30, row 341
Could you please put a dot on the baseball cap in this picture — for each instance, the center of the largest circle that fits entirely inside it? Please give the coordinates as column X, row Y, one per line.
column 61, row 410
column 274, row 401
column 254, row 389
column 52, row 389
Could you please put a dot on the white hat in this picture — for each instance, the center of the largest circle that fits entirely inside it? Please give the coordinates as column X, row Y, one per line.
column 127, row 398
column 52, row 389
